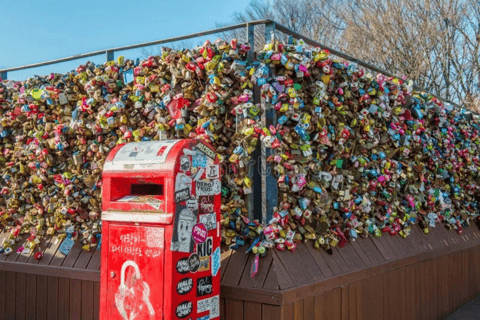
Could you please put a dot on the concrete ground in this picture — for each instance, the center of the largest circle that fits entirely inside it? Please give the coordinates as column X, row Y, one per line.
column 469, row 311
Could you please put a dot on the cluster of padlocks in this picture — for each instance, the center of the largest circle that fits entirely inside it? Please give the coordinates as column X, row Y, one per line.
column 354, row 154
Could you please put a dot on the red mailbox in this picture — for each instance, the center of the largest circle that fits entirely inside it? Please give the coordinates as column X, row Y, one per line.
column 161, row 231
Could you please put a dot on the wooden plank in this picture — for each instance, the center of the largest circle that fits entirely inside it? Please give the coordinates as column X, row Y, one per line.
column 252, row 310
column 84, row 259
column 20, row 292
column 48, row 252
column 342, row 264
column 410, row 291
column 94, row 263
column 235, row 309
column 313, row 270
column 319, row 306
column 361, row 253
column 40, row 247
column 42, row 297
column 3, row 290
column 52, row 300
column 360, row 300
column 96, row 301
column 325, row 261
column 225, row 259
column 344, row 303
column 31, row 296
column 399, row 245
column 263, row 267
column 389, row 245
column 222, row 309
column 298, row 310
column 352, row 300
column 309, row 308
column 10, row 280
column 295, row 267
column 283, row 277
column 64, row 299
column 270, row 312
column 403, row 295
column 379, row 244
column 347, row 257
column 237, row 264
column 87, row 299
column 287, row 311
column 355, row 256
column 58, row 257
column 73, row 255
column 75, row 299
column 371, row 250
column 332, row 304
column 320, row 260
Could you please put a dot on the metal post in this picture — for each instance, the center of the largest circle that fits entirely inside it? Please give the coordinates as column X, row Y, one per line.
column 3, row 75
column 251, row 42
column 251, row 204
column 110, row 55
column 269, row 183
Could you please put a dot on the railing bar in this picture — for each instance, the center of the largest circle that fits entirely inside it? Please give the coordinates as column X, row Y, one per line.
column 135, row 46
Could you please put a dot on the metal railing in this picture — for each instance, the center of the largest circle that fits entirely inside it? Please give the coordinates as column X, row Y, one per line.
column 269, row 188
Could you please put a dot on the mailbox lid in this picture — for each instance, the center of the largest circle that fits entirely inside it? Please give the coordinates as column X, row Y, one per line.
column 135, row 272
column 148, row 157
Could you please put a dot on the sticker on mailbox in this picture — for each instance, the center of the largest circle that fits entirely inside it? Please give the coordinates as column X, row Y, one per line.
column 184, row 309
column 184, row 286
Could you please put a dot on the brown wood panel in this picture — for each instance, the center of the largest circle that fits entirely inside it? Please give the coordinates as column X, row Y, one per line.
column 389, row 245
column 298, row 310
column 225, row 259
column 87, row 300
column 263, row 267
column 42, row 295
column 252, row 310
column 410, row 291
column 332, row 304
column 344, row 302
column 43, row 247
column 3, row 290
column 320, row 260
column 222, row 309
column 64, row 299
column 341, row 263
column 325, row 261
column 310, row 264
column 287, row 310
column 73, row 255
column 52, row 299
column 94, row 263
column 309, row 308
column 347, row 256
column 234, row 309
column 353, row 292
column 75, row 299
column 96, row 301
column 371, row 250
column 83, row 259
column 10, row 280
column 270, row 312
column 361, row 253
column 379, row 244
column 319, row 306
column 57, row 257
column 238, row 262
column 283, row 277
column 31, row 296
column 295, row 268
column 355, row 256
column 20, row 292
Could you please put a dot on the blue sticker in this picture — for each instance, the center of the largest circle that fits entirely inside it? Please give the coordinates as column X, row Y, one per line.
column 199, row 160
column 66, row 246
column 128, row 76
column 204, row 318
column 216, row 261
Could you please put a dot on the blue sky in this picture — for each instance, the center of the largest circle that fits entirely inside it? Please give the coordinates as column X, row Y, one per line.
column 41, row 30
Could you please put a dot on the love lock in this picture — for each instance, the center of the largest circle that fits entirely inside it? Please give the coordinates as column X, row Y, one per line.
column 126, row 299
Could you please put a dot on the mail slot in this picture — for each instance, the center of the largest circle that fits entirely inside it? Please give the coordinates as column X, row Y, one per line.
column 161, row 231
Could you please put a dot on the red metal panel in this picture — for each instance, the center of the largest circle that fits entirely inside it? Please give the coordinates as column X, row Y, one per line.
column 135, row 266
